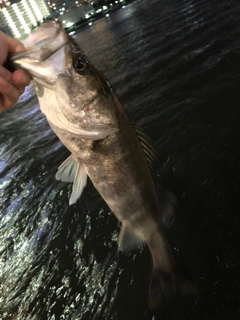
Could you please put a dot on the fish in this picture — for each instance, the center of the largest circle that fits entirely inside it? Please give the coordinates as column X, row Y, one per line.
column 85, row 113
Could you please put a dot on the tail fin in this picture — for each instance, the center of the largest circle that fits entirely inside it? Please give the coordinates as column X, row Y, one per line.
column 162, row 289
column 165, row 287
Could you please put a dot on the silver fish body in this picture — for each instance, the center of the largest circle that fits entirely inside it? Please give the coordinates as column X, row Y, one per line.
column 85, row 113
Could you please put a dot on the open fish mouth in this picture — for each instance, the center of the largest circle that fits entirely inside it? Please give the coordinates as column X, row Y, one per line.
column 42, row 42
column 44, row 54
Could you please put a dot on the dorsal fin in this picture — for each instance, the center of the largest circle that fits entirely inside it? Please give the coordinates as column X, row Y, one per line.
column 167, row 200
column 150, row 153
column 168, row 203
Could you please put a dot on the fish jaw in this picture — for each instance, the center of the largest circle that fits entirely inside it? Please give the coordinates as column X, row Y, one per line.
column 44, row 54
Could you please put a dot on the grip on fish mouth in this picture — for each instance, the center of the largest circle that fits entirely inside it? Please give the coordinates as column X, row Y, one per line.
column 41, row 43
column 9, row 65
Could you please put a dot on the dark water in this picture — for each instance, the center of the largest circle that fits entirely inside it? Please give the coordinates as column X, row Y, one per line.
column 175, row 66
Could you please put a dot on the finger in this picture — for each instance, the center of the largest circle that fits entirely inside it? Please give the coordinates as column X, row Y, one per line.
column 13, row 44
column 21, row 78
column 8, row 44
column 6, row 74
column 9, row 93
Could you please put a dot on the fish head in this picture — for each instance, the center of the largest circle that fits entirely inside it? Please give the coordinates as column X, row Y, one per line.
column 72, row 93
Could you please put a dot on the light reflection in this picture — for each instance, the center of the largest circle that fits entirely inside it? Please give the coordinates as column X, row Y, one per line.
column 36, row 9
column 21, row 16
column 11, row 23
column 26, row 7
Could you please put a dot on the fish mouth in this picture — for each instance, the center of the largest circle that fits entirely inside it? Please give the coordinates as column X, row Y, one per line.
column 42, row 42
column 40, row 57
column 44, row 53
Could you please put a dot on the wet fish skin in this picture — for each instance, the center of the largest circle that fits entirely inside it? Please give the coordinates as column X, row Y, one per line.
column 87, row 116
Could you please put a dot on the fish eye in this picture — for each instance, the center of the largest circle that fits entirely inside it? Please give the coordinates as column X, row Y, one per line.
column 79, row 64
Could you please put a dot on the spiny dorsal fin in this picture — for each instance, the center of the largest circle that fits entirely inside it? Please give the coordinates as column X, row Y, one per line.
column 150, row 153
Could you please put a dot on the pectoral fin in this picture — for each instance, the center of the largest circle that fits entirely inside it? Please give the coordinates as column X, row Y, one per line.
column 128, row 241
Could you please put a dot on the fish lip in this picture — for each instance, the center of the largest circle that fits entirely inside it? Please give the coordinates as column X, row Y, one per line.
column 41, row 52
column 16, row 56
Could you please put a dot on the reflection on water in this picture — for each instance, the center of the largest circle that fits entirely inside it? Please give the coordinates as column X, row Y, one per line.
column 175, row 66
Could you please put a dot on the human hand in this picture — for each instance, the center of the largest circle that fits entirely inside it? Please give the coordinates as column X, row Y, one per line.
column 12, row 85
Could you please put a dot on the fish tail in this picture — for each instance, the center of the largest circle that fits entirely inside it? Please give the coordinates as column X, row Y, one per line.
column 166, row 286
column 162, row 289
